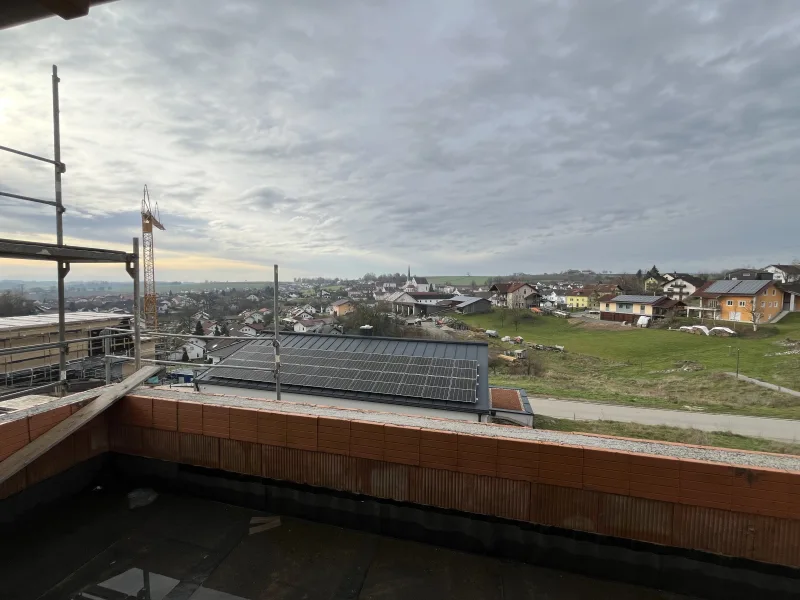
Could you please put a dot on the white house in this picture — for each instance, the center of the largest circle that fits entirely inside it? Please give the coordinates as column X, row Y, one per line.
column 194, row 347
column 248, row 329
column 253, row 298
column 308, row 325
column 784, row 273
column 255, row 317
column 681, row 286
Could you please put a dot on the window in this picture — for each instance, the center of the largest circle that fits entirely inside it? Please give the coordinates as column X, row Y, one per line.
column 641, row 308
column 742, row 303
column 762, row 304
column 730, row 302
column 608, row 305
column 773, row 291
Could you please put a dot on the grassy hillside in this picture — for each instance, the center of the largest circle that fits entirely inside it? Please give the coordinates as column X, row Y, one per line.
column 644, row 366
column 458, row 279
column 719, row 439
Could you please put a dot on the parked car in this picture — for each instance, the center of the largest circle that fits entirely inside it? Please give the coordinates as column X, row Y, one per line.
column 491, row 333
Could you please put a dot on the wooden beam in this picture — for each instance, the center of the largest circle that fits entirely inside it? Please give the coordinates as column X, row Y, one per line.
column 25, row 456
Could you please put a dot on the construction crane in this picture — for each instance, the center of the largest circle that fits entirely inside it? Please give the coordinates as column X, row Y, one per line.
column 149, row 219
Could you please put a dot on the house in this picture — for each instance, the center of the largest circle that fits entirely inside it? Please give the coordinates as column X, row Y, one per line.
column 255, row 317
column 253, row 298
column 221, row 348
column 748, row 274
column 784, row 273
column 682, row 286
column 342, row 307
column 791, row 296
column 703, row 304
column 588, row 297
column 630, row 307
column 515, row 294
column 250, row 329
column 749, row 301
column 195, row 348
column 309, row 325
column 578, row 299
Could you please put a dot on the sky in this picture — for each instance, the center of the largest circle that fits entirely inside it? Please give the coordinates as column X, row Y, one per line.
column 457, row 136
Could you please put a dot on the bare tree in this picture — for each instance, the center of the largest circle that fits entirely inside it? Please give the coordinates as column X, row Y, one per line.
column 516, row 318
column 502, row 317
column 755, row 314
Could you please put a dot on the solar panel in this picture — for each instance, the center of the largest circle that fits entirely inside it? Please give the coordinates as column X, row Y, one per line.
column 411, row 376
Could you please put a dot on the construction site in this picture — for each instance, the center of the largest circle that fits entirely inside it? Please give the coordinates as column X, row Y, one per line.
column 321, row 466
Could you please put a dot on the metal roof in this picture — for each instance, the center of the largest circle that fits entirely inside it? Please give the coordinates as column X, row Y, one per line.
column 226, row 375
column 51, row 319
column 637, row 299
column 746, row 287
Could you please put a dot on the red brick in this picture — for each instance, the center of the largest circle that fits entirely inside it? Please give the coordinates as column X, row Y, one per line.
column 708, row 499
column 438, row 439
column 271, row 428
column 646, row 463
column 653, row 491
column 333, row 424
column 136, row 410
column 13, row 436
column 560, row 477
column 301, row 432
column 244, row 424
column 165, row 414
column 45, row 421
column 216, row 421
column 190, row 417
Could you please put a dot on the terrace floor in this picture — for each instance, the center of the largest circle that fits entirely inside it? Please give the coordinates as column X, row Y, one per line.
column 95, row 547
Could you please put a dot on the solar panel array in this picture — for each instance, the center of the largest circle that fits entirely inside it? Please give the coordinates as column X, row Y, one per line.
column 411, row 376
column 735, row 286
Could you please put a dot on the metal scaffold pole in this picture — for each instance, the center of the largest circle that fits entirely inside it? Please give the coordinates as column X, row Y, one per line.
column 277, row 337
column 137, row 333
column 63, row 267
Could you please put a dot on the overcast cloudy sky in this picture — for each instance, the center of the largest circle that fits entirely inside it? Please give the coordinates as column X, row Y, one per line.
column 481, row 136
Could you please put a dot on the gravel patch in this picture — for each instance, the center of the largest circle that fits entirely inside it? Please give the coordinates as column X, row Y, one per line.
column 717, row 455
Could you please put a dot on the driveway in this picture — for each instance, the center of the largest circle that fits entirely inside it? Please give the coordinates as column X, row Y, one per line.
column 783, row 430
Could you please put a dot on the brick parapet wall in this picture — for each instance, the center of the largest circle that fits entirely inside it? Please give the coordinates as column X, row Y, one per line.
column 735, row 511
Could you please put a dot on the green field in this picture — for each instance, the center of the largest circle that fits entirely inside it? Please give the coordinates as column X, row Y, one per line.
column 628, row 365
column 458, row 279
column 720, row 439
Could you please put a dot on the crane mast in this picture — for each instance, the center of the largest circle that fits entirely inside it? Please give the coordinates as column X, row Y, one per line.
column 149, row 220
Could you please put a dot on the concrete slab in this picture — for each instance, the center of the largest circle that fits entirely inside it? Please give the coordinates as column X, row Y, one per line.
column 94, row 546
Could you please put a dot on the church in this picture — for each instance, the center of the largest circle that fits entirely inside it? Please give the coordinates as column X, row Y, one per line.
column 416, row 284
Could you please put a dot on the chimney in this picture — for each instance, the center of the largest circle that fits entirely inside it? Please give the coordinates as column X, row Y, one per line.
column 365, row 330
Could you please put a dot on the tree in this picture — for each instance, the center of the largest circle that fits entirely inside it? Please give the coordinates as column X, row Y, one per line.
column 516, row 318
column 185, row 357
column 13, row 304
column 502, row 317
column 198, row 329
column 217, row 330
column 755, row 314
column 225, row 330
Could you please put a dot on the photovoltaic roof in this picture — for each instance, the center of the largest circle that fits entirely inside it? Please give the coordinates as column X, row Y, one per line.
column 733, row 286
column 395, row 370
column 637, row 299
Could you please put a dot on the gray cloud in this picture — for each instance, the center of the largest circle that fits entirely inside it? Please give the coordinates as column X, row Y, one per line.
column 482, row 136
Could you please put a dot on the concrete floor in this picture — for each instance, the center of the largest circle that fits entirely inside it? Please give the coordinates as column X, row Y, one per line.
column 95, row 547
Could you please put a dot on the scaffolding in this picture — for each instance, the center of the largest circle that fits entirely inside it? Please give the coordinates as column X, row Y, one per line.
column 64, row 255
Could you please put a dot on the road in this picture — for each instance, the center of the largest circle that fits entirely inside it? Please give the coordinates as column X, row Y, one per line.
column 783, row 430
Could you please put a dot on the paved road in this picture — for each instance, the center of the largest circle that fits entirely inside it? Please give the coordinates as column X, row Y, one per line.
column 784, row 430
column 764, row 384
